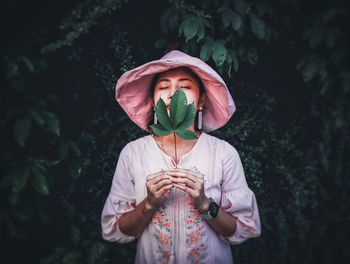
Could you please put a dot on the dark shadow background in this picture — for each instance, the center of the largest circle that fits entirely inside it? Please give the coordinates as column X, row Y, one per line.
column 62, row 131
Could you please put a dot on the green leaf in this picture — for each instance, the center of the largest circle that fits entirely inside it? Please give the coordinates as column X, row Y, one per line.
column 234, row 58
column 28, row 63
column 73, row 256
column 200, row 32
column 178, row 107
column 181, row 116
column 37, row 117
column 189, row 27
column 39, row 182
column 252, row 55
column 74, row 147
column 236, row 21
column 235, row 62
column 53, row 98
column 230, row 17
column 241, row 6
column 257, row 26
column 20, row 178
column 51, row 122
column 189, row 118
column 160, row 130
column 162, row 114
column 186, row 134
column 219, row 53
column 63, row 150
column 169, row 20
column 6, row 180
column 75, row 234
column 22, row 128
column 40, row 167
column 160, row 43
column 226, row 19
column 206, row 50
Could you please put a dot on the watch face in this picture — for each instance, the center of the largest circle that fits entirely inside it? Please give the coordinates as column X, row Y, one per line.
column 213, row 209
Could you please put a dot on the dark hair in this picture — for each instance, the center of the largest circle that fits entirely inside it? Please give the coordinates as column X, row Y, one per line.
column 187, row 70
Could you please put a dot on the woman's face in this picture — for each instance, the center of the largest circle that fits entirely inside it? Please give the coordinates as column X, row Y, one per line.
column 172, row 80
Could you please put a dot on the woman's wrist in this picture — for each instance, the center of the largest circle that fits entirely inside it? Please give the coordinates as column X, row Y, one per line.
column 204, row 205
column 148, row 207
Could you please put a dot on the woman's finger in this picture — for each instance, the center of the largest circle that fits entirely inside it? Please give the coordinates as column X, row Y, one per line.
column 162, row 190
column 160, row 176
column 193, row 193
column 196, row 174
column 186, row 181
column 162, row 183
column 182, row 174
column 154, row 175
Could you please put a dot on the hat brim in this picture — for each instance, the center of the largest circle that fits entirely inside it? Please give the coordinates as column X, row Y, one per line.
column 132, row 90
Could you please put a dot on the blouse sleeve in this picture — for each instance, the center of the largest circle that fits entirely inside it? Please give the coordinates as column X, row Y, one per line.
column 237, row 199
column 120, row 200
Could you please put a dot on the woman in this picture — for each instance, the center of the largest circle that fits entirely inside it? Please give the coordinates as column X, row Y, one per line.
column 187, row 210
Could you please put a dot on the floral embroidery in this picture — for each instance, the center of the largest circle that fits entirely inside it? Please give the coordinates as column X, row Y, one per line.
column 196, row 254
column 194, row 234
column 162, row 226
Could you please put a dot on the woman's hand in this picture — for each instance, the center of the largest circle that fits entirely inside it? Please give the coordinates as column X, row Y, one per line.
column 157, row 184
column 192, row 183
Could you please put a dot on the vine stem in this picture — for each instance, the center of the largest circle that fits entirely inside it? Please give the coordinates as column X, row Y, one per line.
column 175, row 149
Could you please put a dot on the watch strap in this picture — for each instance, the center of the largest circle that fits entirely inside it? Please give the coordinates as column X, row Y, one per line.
column 212, row 211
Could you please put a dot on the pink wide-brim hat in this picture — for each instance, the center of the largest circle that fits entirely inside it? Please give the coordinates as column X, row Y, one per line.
column 132, row 90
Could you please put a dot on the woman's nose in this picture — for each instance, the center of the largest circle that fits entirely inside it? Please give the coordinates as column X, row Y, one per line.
column 171, row 92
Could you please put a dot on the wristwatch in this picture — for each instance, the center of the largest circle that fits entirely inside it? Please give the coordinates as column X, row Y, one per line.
column 212, row 211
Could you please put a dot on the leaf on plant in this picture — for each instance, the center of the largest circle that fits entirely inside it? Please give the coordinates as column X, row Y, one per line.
column 73, row 256
column 181, row 116
column 162, row 114
column 257, row 26
column 63, row 150
column 241, row 6
column 20, row 178
column 190, row 116
column 191, row 27
column 178, row 108
column 160, row 130
column 234, row 60
column 22, row 128
column 236, row 21
column 28, row 63
column 52, row 123
column 186, row 134
column 160, row 43
column 226, row 19
column 75, row 234
column 219, row 53
column 206, row 50
column 200, row 32
column 252, row 55
column 74, row 147
column 37, row 117
column 6, row 180
column 39, row 182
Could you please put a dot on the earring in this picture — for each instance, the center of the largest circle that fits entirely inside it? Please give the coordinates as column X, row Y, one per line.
column 200, row 118
column 155, row 120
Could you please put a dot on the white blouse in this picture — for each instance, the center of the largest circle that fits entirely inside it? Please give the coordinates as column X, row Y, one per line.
column 176, row 233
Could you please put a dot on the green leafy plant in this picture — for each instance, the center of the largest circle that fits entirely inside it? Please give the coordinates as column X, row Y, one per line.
column 181, row 116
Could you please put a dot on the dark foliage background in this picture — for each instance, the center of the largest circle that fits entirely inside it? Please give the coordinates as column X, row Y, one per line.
column 286, row 64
